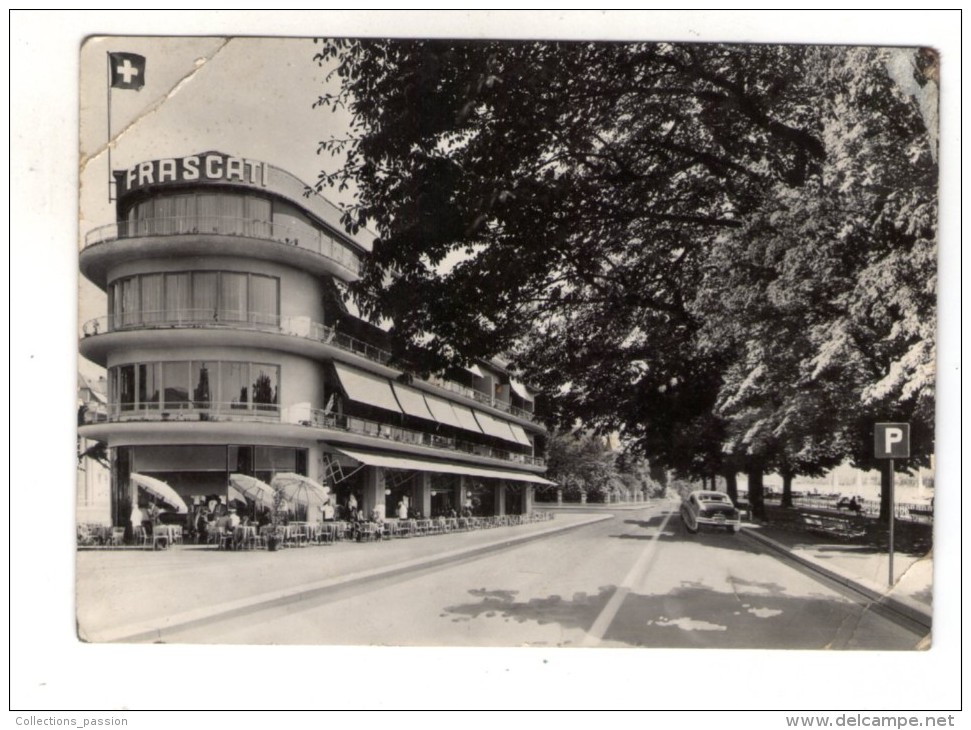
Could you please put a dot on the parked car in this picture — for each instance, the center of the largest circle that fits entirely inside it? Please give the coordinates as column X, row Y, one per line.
column 711, row 509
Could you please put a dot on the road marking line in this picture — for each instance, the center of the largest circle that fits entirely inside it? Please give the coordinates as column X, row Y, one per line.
column 609, row 612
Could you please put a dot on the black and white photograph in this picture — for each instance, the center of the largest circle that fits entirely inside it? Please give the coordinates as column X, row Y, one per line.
column 623, row 347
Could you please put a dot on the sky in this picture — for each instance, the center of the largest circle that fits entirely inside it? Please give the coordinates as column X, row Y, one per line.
column 249, row 97
column 259, row 107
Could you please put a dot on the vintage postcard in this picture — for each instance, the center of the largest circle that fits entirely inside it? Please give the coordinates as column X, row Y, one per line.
column 542, row 344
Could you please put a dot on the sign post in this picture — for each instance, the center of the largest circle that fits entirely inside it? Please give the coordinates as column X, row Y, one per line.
column 890, row 441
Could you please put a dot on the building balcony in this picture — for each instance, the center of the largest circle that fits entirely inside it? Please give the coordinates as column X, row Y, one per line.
column 299, row 327
column 304, row 416
column 301, row 246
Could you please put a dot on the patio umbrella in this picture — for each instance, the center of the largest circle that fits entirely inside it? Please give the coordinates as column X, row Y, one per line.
column 298, row 489
column 160, row 490
column 253, row 489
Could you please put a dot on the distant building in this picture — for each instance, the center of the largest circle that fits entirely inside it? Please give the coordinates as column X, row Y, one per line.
column 228, row 350
column 93, row 499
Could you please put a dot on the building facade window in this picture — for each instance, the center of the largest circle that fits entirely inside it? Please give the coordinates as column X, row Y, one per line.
column 148, row 385
column 195, row 384
column 194, row 297
column 265, row 386
column 175, row 380
column 233, row 214
column 205, row 212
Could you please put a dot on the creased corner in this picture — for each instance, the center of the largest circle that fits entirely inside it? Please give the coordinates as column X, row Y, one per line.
column 153, row 107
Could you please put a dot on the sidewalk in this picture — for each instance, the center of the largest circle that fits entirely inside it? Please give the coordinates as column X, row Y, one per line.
column 139, row 595
column 862, row 563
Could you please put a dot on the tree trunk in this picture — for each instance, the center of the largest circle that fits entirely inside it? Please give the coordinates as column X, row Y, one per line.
column 731, row 485
column 886, row 509
column 756, row 493
column 786, row 489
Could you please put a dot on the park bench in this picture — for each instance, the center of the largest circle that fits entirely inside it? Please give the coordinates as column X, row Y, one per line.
column 927, row 512
column 832, row 526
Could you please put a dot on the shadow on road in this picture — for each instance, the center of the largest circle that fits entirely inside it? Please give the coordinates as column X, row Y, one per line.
column 749, row 615
column 578, row 612
column 675, row 532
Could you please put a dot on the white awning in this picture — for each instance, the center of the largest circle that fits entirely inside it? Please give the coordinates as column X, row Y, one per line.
column 366, row 388
column 403, row 462
column 520, row 433
column 442, row 411
column 161, row 490
column 520, row 390
column 412, row 401
column 475, row 370
column 466, row 418
column 495, row 427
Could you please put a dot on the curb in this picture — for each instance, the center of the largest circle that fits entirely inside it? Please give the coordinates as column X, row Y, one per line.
column 156, row 629
column 905, row 607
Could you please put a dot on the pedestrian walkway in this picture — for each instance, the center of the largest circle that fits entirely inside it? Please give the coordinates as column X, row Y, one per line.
column 861, row 562
column 138, row 596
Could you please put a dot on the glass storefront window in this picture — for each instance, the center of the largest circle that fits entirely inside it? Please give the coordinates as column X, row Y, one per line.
column 258, row 212
column 114, row 304
column 205, row 296
column 197, row 384
column 164, row 219
column 175, row 376
column 129, row 301
column 265, row 386
column 148, row 384
column 185, row 214
column 233, row 298
column 126, row 387
column 274, row 459
column 234, row 214
column 201, row 296
column 178, row 297
column 234, row 384
column 202, row 376
column 153, row 305
column 264, row 299
column 208, row 216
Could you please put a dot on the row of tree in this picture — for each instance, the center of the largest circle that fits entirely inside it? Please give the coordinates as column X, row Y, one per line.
column 585, row 468
column 724, row 253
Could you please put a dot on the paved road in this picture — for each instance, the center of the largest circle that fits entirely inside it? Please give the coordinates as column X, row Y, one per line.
column 636, row 580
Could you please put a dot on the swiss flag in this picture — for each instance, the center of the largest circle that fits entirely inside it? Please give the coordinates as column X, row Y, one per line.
column 127, row 70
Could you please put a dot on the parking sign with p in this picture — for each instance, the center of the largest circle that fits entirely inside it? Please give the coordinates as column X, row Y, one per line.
column 891, row 440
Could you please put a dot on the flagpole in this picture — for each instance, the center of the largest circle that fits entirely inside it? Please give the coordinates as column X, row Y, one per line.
column 108, row 58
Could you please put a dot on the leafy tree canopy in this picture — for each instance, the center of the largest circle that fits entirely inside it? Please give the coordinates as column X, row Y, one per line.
column 719, row 250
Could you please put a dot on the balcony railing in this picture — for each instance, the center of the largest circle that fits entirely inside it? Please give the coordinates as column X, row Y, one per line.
column 301, row 415
column 303, row 237
column 294, row 326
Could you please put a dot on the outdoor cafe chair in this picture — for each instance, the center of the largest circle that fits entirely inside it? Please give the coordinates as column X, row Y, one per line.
column 296, row 534
column 366, row 531
column 161, row 534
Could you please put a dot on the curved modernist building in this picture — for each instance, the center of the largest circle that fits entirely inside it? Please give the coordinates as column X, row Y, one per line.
column 228, row 350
